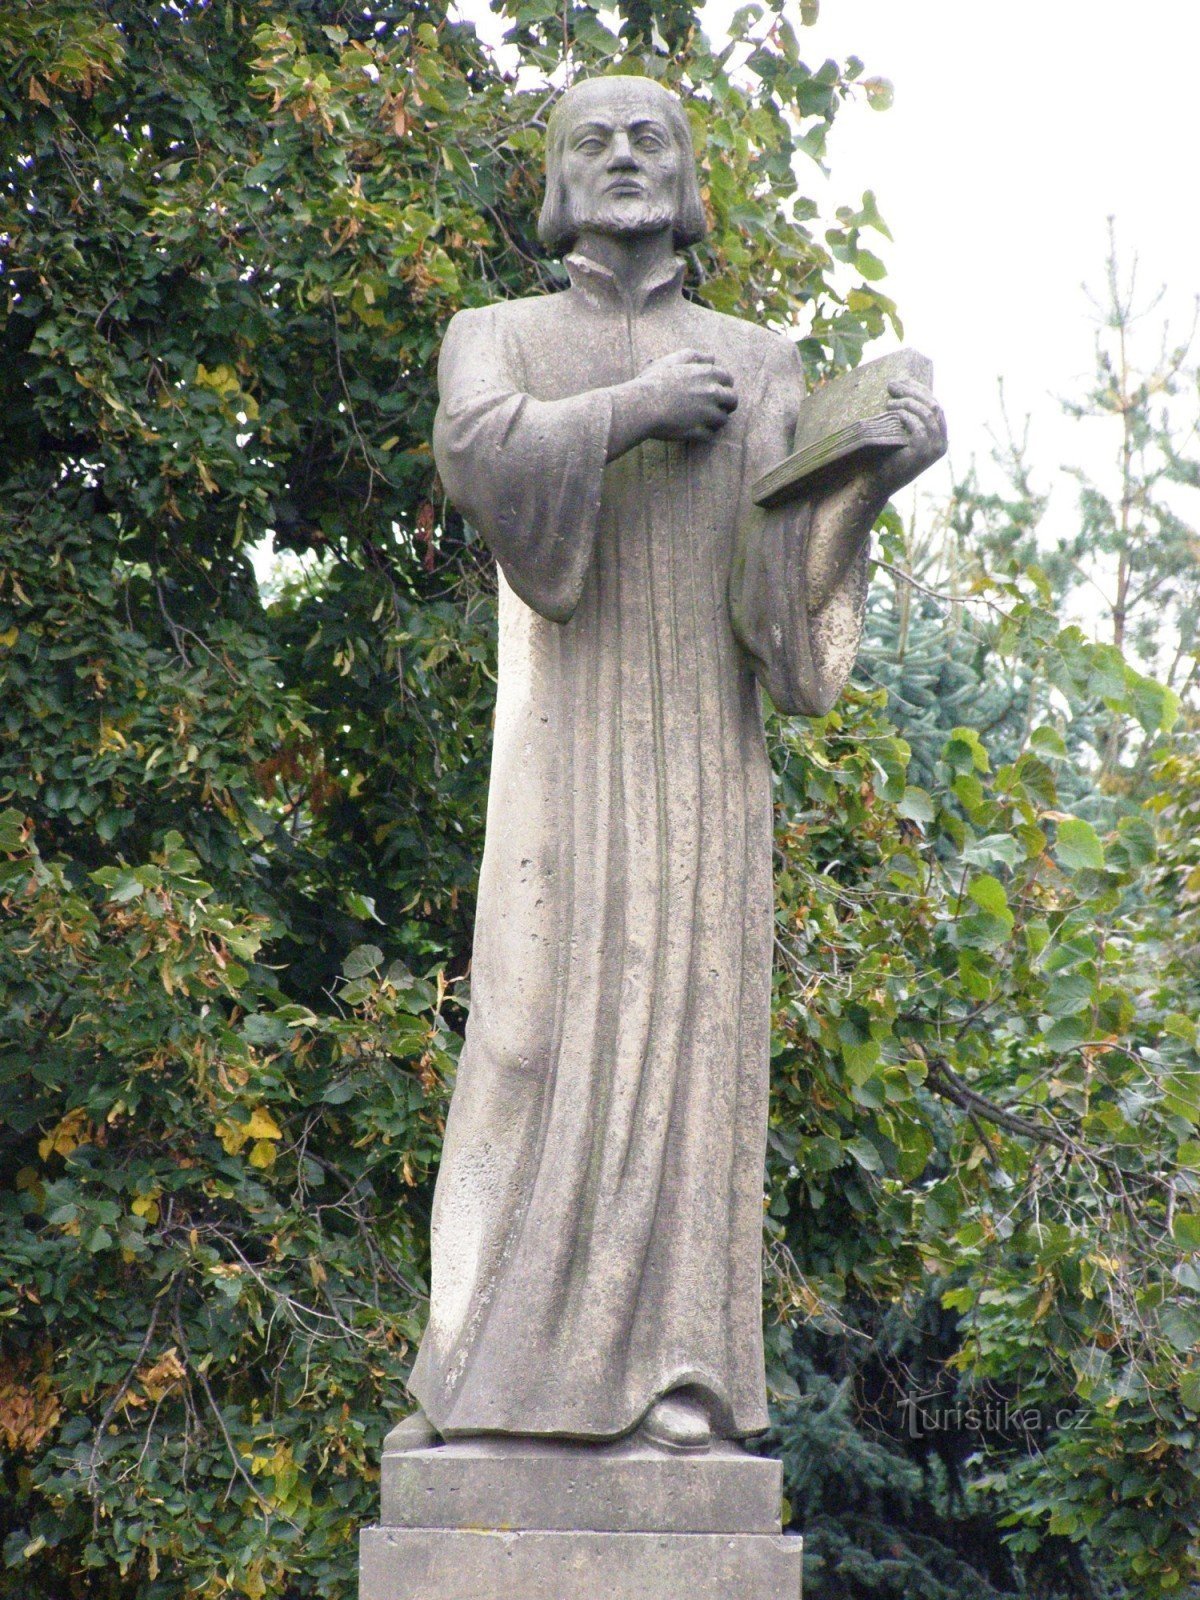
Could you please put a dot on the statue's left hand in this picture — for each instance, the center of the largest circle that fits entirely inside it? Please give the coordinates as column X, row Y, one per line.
column 926, row 424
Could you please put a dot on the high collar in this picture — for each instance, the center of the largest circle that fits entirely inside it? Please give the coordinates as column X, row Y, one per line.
column 602, row 287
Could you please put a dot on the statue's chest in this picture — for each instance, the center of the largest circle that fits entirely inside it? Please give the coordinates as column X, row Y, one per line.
column 580, row 347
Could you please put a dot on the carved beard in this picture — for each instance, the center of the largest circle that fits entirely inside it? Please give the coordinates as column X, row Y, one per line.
column 649, row 217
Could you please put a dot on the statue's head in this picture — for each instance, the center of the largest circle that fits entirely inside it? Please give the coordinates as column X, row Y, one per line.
column 619, row 160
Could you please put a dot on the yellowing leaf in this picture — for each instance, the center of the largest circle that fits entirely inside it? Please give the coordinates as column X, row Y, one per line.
column 232, row 1135
column 262, row 1154
column 71, row 1132
column 262, row 1125
column 29, row 1407
column 162, row 1376
column 253, row 1585
column 221, row 380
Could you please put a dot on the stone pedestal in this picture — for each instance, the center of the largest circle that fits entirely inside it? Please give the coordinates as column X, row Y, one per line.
column 484, row 1520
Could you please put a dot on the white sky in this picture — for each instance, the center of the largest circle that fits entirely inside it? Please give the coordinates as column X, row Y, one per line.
column 1017, row 129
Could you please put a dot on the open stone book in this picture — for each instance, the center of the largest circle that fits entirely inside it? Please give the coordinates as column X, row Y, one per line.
column 843, row 416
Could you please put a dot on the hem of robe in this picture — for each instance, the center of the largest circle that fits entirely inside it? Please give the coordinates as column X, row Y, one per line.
column 453, row 1421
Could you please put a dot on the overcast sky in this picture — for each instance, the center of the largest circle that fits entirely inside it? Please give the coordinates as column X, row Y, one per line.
column 1017, row 129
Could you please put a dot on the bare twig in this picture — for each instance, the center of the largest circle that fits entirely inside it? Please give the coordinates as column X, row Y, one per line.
column 122, row 1390
column 231, row 1448
column 939, row 594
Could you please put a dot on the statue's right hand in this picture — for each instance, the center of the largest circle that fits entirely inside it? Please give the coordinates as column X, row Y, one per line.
column 684, row 396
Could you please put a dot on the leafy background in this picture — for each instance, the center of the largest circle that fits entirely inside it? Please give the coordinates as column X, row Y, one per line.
column 241, row 824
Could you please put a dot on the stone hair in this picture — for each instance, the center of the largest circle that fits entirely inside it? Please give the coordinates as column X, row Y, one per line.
column 556, row 225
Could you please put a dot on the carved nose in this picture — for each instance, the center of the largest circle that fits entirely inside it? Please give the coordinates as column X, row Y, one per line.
column 621, row 157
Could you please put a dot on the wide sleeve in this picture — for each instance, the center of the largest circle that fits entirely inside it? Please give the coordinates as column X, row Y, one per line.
column 526, row 473
column 801, row 656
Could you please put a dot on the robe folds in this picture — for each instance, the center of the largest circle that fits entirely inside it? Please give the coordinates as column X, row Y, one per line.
column 597, row 1222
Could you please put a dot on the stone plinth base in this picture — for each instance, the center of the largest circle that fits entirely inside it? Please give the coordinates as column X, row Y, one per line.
column 505, row 1520
column 454, row 1564
column 619, row 1488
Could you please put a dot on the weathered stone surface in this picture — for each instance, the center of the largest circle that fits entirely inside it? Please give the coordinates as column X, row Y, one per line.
column 419, row 1564
column 596, row 1242
column 598, row 1214
column 622, row 1488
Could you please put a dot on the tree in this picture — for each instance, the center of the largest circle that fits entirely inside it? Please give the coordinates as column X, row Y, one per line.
column 1033, row 1369
column 1129, row 565
column 986, row 1102
column 1151, row 601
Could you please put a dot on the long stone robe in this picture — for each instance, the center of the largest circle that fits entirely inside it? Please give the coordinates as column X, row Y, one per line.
column 597, row 1222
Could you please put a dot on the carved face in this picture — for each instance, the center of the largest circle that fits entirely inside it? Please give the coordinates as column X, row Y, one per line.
column 620, row 162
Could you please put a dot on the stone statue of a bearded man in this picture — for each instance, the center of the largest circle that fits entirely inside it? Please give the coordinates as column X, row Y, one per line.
column 597, row 1223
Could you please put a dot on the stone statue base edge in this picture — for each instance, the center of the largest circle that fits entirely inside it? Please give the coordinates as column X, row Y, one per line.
column 456, row 1564
column 627, row 1487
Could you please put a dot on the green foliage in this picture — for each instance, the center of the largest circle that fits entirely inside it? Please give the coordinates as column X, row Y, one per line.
column 929, row 643
column 206, row 1293
column 987, row 1084
column 1015, row 947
